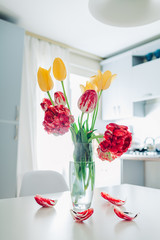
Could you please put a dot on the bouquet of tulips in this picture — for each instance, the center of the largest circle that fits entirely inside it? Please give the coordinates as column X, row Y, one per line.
column 58, row 118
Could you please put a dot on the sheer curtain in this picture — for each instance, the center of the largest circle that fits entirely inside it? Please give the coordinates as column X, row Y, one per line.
column 37, row 149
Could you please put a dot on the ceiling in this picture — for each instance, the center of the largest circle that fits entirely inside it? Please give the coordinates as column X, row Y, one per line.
column 70, row 22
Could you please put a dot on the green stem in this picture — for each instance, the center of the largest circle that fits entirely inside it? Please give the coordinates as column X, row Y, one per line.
column 96, row 111
column 93, row 116
column 81, row 119
column 50, row 98
column 65, row 96
column 87, row 121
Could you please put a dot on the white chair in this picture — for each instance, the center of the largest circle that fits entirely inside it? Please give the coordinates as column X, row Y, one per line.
column 42, row 182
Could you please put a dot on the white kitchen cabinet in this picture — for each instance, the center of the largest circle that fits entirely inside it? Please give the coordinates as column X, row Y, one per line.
column 146, row 77
column 117, row 100
column 11, row 61
column 8, row 160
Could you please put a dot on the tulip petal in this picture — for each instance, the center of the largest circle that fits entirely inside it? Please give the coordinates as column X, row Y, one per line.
column 45, row 104
column 105, row 77
column 112, row 200
column 44, row 79
column 124, row 215
column 87, row 102
column 59, row 98
column 81, row 216
column 82, row 87
column 97, row 80
column 45, row 202
column 59, row 69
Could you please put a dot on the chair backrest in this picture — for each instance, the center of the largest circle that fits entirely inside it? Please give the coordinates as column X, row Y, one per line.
column 42, row 182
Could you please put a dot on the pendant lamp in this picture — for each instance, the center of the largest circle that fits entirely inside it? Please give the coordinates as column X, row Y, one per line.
column 125, row 13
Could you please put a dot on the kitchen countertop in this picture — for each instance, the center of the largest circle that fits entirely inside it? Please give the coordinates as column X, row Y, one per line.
column 148, row 157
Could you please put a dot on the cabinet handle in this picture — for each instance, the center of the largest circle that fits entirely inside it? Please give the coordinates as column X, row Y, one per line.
column 16, row 133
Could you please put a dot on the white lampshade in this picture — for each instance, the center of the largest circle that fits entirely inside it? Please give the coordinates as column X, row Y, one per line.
column 125, row 13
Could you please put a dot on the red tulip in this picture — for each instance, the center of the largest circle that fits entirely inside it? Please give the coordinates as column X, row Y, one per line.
column 117, row 141
column 59, row 98
column 45, row 104
column 88, row 100
column 57, row 120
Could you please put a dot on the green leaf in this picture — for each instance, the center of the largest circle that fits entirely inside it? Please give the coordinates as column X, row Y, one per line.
column 75, row 127
column 95, row 137
column 89, row 134
column 84, row 123
column 84, row 136
column 79, row 123
column 73, row 134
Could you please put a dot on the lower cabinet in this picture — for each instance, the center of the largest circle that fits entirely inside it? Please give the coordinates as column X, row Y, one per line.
column 132, row 172
column 8, row 160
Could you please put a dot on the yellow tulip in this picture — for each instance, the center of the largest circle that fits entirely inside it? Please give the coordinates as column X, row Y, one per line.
column 59, row 69
column 97, row 80
column 107, row 79
column 89, row 86
column 44, row 79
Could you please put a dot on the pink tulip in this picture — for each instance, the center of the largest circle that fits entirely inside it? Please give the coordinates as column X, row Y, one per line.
column 88, row 100
column 59, row 98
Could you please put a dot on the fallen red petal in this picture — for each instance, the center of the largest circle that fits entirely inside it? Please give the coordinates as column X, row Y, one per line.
column 112, row 200
column 124, row 215
column 45, row 202
column 81, row 216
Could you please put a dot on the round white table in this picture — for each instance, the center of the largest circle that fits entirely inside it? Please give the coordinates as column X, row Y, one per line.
column 24, row 219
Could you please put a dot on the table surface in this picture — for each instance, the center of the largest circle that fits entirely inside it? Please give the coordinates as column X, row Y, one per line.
column 23, row 219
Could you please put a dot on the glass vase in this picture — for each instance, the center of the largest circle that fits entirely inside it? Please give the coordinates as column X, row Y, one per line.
column 82, row 176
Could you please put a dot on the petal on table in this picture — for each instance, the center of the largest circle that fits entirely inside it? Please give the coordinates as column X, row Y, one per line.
column 124, row 215
column 81, row 216
column 45, row 202
column 112, row 200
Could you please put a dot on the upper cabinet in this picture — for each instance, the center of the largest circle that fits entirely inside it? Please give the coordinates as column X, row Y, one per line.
column 116, row 101
column 138, row 79
column 146, row 70
column 11, row 56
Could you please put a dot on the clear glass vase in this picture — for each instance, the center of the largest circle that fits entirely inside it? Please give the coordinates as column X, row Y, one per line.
column 82, row 176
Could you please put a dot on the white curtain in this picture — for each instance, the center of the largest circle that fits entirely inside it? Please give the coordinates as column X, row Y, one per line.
column 37, row 149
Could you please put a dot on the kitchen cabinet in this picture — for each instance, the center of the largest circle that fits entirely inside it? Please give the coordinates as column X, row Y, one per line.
column 8, row 159
column 117, row 100
column 142, row 170
column 147, row 79
column 137, row 81
column 132, row 172
column 11, row 60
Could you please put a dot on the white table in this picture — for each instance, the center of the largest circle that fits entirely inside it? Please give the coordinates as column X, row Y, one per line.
column 24, row 219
